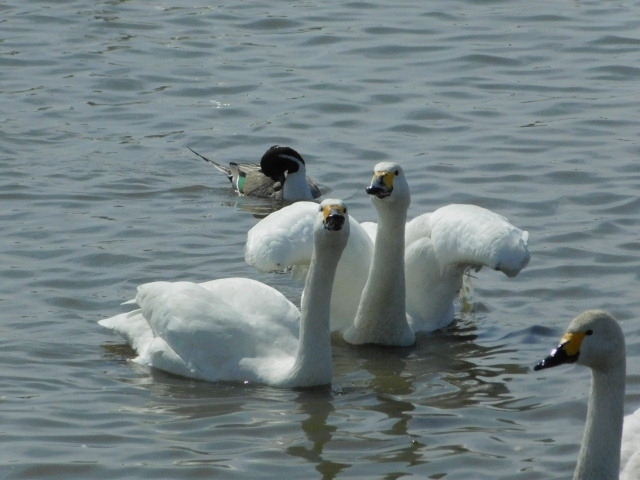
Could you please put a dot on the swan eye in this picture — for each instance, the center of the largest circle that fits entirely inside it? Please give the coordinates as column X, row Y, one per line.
column 397, row 172
column 589, row 332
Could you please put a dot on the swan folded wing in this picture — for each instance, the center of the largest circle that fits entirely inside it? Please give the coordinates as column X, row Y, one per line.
column 475, row 236
column 260, row 302
column 282, row 239
column 210, row 336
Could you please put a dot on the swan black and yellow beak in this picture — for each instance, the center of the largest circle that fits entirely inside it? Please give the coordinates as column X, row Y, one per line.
column 567, row 352
column 334, row 216
column 381, row 184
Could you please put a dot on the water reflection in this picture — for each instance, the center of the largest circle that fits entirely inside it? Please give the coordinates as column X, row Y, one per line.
column 317, row 405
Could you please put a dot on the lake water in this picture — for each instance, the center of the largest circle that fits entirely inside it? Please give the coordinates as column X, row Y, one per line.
column 528, row 108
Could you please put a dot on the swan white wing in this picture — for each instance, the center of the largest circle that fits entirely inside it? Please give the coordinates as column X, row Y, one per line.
column 260, row 303
column 630, row 451
column 210, row 343
column 442, row 244
column 282, row 239
column 472, row 235
column 430, row 289
column 417, row 228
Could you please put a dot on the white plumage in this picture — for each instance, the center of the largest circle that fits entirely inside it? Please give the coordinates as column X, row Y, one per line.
column 283, row 239
column 439, row 247
column 630, row 449
column 238, row 329
column 609, row 449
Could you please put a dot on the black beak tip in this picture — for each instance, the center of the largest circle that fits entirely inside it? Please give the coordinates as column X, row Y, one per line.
column 334, row 222
column 377, row 191
column 557, row 357
column 539, row 366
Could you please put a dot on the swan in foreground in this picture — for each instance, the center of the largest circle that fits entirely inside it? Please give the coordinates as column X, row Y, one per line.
column 594, row 339
column 281, row 175
column 438, row 248
column 237, row 329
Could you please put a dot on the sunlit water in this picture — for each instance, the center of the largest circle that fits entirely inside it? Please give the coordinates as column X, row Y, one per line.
column 527, row 108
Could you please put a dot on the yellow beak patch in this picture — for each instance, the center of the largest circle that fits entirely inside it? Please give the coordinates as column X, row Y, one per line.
column 333, row 209
column 571, row 342
column 384, row 177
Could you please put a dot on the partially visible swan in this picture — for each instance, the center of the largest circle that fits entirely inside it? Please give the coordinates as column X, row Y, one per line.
column 439, row 247
column 281, row 175
column 594, row 339
column 238, row 329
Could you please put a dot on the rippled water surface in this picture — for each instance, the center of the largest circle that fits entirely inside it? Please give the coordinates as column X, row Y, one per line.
column 527, row 108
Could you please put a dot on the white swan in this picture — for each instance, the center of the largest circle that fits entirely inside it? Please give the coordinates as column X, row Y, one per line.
column 439, row 247
column 594, row 339
column 281, row 175
column 238, row 329
column 381, row 315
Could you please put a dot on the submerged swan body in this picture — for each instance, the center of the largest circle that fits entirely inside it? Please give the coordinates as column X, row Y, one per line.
column 594, row 339
column 281, row 175
column 238, row 329
column 434, row 250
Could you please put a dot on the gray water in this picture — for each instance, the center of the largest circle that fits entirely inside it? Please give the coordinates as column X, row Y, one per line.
column 528, row 108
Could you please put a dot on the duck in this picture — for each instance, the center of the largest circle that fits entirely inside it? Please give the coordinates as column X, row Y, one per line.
column 239, row 329
column 610, row 447
column 280, row 175
column 426, row 257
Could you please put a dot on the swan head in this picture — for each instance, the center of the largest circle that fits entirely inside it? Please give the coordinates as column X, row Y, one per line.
column 389, row 185
column 280, row 161
column 593, row 339
column 333, row 221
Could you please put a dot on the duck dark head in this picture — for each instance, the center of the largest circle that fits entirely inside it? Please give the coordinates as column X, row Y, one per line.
column 279, row 160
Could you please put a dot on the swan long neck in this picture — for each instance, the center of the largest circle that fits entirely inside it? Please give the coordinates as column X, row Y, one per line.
column 599, row 457
column 381, row 317
column 388, row 255
column 313, row 358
